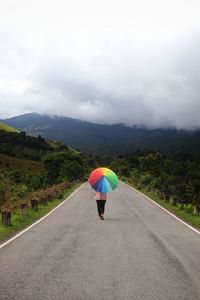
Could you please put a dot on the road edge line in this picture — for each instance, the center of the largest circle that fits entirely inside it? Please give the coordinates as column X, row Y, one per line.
column 171, row 214
column 41, row 219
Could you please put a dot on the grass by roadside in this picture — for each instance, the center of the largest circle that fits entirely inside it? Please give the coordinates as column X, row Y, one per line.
column 20, row 222
column 183, row 212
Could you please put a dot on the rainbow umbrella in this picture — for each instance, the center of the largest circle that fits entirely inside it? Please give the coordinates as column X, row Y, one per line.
column 103, row 180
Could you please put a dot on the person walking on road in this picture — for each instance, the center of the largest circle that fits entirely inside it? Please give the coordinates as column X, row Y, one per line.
column 103, row 181
column 101, row 201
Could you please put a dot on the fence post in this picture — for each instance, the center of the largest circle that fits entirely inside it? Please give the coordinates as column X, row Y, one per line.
column 6, row 217
column 34, row 204
column 196, row 209
column 24, row 209
column 174, row 201
column 167, row 197
column 44, row 200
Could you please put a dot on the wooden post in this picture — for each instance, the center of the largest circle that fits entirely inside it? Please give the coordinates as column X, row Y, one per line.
column 44, row 200
column 24, row 209
column 183, row 203
column 174, row 201
column 162, row 197
column 196, row 209
column 34, row 204
column 6, row 217
column 167, row 198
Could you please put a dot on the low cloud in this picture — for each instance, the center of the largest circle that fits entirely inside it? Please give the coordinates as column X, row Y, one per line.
column 155, row 87
column 105, row 76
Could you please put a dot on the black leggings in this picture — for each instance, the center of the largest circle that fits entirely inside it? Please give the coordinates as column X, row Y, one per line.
column 100, row 206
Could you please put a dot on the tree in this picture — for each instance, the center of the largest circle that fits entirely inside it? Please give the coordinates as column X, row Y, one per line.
column 52, row 163
column 70, row 170
column 63, row 165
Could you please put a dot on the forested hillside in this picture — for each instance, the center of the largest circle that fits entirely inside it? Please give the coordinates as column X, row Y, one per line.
column 29, row 164
column 106, row 139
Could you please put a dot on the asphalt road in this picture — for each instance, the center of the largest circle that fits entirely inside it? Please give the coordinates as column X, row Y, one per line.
column 138, row 252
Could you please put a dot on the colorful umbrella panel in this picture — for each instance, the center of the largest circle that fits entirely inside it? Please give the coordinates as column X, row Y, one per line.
column 103, row 180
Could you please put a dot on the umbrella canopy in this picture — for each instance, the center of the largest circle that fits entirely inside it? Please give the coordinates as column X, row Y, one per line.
column 103, row 180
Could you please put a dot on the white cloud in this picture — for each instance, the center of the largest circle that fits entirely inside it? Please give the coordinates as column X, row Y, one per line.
column 134, row 62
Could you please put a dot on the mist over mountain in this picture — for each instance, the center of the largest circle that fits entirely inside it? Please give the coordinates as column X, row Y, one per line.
column 105, row 139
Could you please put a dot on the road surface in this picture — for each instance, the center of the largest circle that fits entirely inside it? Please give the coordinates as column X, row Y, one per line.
column 138, row 252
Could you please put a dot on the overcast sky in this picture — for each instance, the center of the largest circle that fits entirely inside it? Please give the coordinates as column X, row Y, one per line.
column 108, row 61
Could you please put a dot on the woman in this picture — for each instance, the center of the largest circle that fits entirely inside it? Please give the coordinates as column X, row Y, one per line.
column 101, row 201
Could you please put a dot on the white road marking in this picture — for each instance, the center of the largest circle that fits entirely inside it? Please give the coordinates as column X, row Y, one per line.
column 41, row 219
column 175, row 217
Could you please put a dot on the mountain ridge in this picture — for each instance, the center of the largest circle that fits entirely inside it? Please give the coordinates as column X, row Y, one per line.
column 105, row 139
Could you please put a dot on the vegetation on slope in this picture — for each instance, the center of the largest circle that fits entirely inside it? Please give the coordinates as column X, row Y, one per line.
column 7, row 128
column 29, row 164
column 173, row 181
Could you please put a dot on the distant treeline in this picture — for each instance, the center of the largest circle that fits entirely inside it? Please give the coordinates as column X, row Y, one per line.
column 30, row 164
column 174, row 177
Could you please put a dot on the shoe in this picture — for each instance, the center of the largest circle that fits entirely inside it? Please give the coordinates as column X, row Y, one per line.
column 102, row 217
